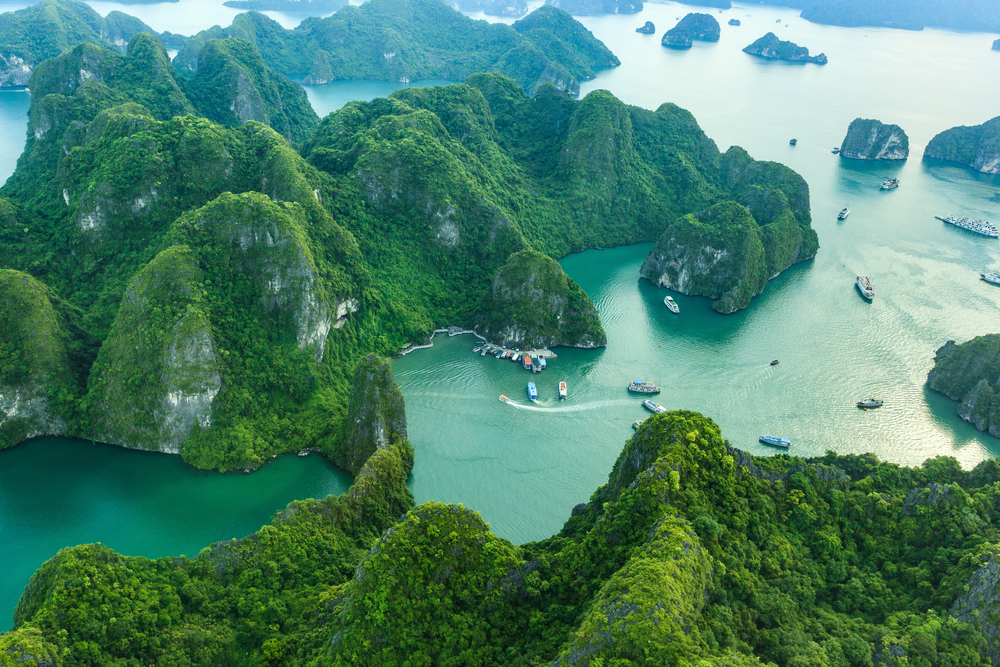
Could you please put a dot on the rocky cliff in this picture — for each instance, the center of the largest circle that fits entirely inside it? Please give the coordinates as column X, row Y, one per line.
column 873, row 140
column 970, row 373
column 977, row 146
column 313, row 7
column 772, row 48
column 593, row 7
column 647, row 28
column 700, row 27
column 532, row 303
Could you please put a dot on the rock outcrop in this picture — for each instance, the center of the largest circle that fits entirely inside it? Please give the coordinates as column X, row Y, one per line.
column 970, row 373
column 647, row 28
column 996, row 45
column 734, row 22
column 700, row 27
column 869, row 139
column 772, row 48
column 977, row 147
column 532, row 303
column 592, row 7
column 979, row 605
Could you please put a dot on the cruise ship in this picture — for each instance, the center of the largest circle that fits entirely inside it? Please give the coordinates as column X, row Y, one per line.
column 775, row 441
column 671, row 305
column 993, row 278
column 655, row 408
column 532, row 392
column 977, row 226
column 844, row 212
column 890, row 184
column 640, row 387
column 866, row 288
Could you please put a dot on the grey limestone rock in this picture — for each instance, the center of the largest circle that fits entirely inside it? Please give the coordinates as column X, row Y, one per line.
column 647, row 28
column 979, row 605
column 700, row 27
column 869, row 139
column 375, row 415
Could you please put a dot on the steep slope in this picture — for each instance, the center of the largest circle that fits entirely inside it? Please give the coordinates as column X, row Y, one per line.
column 869, row 139
column 701, row 27
column 407, row 40
column 772, row 48
column 977, row 146
column 970, row 373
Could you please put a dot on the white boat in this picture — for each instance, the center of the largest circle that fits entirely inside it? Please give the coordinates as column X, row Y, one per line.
column 636, row 424
column 866, row 288
column 562, row 391
column 890, row 184
column 870, row 403
column 640, row 387
column 775, row 441
column 504, row 399
column 671, row 305
column 977, row 226
column 844, row 212
column 655, row 408
column 992, row 278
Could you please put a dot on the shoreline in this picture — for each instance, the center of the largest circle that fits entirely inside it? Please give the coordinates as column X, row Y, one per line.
column 458, row 331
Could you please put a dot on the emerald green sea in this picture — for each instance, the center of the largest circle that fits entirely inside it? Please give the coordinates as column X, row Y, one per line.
column 525, row 466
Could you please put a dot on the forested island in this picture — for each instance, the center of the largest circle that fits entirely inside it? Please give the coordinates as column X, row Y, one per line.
column 313, row 6
column 977, row 147
column 700, row 27
column 870, row 139
column 772, row 48
column 970, row 373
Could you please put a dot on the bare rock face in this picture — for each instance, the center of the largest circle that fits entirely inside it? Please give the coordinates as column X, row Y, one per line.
column 693, row 27
column 873, row 140
column 977, row 147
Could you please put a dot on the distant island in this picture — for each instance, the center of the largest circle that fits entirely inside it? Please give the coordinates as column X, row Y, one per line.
column 592, row 7
column 970, row 373
column 701, row 27
column 719, row 4
column 772, row 48
column 315, row 6
column 977, row 147
column 734, row 22
column 647, row 28
column 973, row 15
column 869, row 139
column 996, row 45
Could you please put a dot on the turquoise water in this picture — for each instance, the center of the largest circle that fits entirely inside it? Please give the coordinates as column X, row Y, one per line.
column 13, row 124
column 330, row 97
column 57, row 492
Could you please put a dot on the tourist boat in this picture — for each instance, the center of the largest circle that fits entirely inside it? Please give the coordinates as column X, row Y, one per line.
column 836, row 149
column 532, row 392
column 636, row 424
column 640, row 387
column 977, row 226
column 504, row 399
column 541, row 363
column 775, row 362
column 527, row 362
column 671, row 305
column 516, row 358
column 993, row 278
column 844, row 212
column 866, row 288
column 562, row 391
column 870, row 403
column 793, row 142
column 890, row 184
column 655, row 408
column 775, row 441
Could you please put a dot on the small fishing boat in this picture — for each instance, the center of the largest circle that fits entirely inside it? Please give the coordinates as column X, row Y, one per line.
column 536, row 366
column 562, row 391
column 889, row 184
column 304, row 453
column 655, row 408
column 870, row 403
column 775, row 441
column 532, row 392
column 636, row 424
column 541, row 363
column 504, row 399
column 775, row 362
column 526, row 360
column 836, row 149
column 793, row 142
column 671, row 305
column 865, row 285
column 844, row 212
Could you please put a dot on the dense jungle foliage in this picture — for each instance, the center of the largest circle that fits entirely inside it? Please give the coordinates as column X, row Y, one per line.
column 976, row 146
column 407, row 40
column 692, row 553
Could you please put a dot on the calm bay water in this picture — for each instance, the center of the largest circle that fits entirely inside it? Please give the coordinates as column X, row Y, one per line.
column 524, row 467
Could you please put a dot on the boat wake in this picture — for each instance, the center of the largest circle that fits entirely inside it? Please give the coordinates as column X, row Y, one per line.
column 556, row 407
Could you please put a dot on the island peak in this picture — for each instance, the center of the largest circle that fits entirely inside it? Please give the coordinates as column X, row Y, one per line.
column 772, row 48
column 694, row 26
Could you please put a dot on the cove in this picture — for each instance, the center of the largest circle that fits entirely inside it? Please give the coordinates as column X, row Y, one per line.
column 60, row 492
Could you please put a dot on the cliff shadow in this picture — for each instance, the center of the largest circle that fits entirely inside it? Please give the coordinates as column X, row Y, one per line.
column 944, row 412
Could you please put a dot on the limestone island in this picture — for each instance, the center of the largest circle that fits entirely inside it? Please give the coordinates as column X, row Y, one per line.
column 730, row 250
column 734, row 22
column 298, row 6
column 647, row 28
column 996, row 45
column 869, row 139
column 532, row 303
column 772, row 48
column 977, row 146
column 970, row 373
column 701, row 27
column 591, row 7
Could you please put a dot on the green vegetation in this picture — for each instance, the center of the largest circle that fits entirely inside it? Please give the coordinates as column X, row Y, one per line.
column 869, row 139
column 977, row 146
column 313, row 6
column 769, row 46
column 970, row 373
column 407, row 40
column 692, row 553
column 702, row 27
column 970, row 15
column 532, row 303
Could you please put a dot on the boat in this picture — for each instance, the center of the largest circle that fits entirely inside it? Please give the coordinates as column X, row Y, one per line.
column 536, row 365
column 844, row 212
column 526, row 360
column 775, row 362
column 640, row 387
column 516, row 358
column 890, row 184
column 304, row 452
column 835, row 150
column 992, row 278
column 671, row 305
column 532, row 392
column 870, row 403
column 636, row 424
column 775, row 441
column 866, row 288
column 655, row 408
column 541, row 363
column 977, row 226
column 504, row 399
column 793, row 142
column 562, row 391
